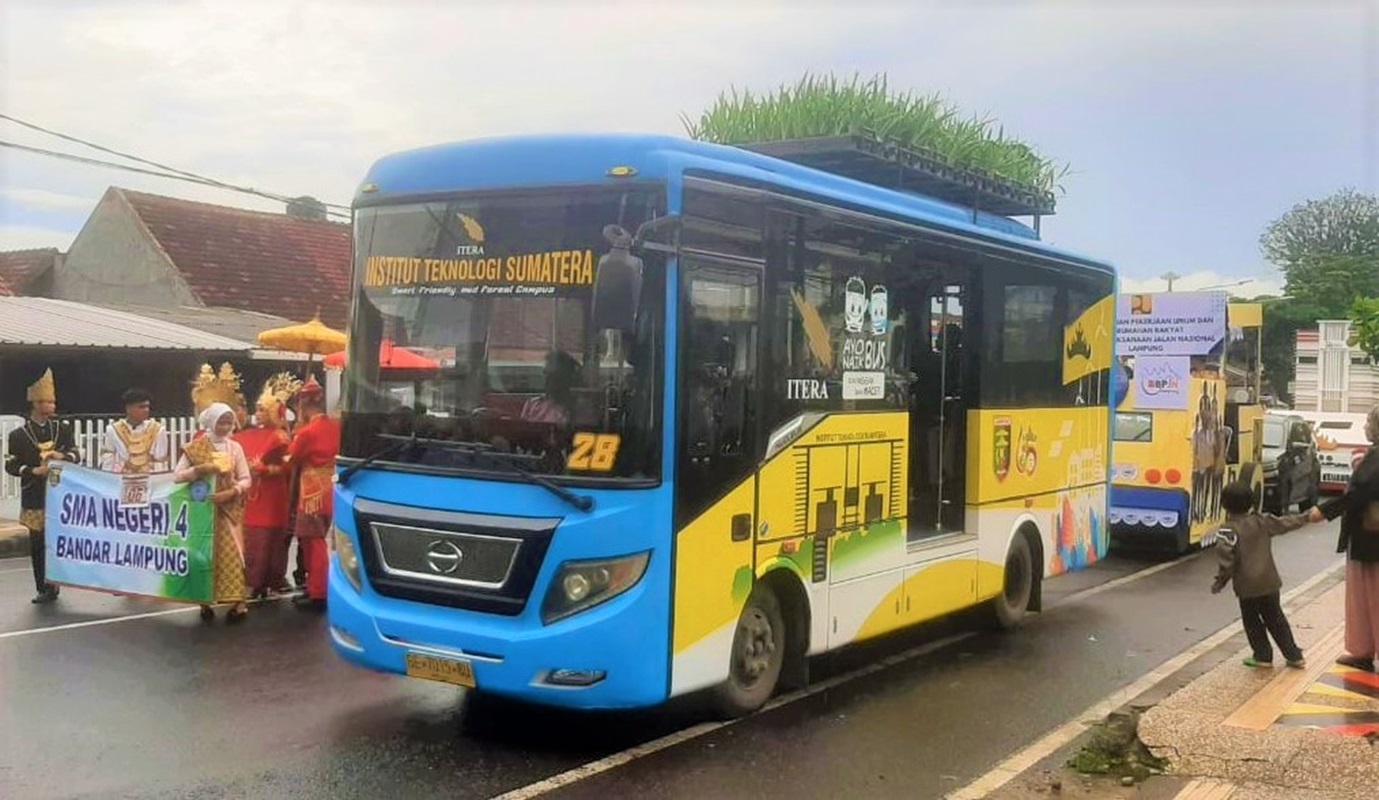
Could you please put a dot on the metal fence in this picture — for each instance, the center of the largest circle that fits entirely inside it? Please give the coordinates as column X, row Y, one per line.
column 88, row 431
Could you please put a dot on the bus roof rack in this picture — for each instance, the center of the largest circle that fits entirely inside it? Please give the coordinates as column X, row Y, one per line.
column 865, row 156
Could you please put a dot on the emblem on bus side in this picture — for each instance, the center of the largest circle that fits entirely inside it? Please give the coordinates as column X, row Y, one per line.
column 1001, row 446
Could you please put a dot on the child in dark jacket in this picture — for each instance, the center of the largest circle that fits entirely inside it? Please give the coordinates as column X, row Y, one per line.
column 1247, row 559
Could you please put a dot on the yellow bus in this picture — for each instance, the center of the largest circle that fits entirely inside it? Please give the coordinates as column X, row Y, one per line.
column 1188, row 416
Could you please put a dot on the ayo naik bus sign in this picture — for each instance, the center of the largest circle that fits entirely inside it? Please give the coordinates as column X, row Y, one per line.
column 134, row 534
column 1170, row 323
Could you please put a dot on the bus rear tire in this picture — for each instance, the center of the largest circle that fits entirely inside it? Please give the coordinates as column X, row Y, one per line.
column 757, row 656
column 1008, row 609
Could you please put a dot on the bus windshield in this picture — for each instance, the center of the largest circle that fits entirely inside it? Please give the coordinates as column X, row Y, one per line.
column 472, row 324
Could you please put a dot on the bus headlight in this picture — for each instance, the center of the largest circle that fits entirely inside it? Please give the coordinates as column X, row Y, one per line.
column 343, row 546
column 581, row 585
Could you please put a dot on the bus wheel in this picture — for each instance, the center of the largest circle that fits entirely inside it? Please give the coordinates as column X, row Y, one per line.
column 1010, row 605
column 757, row 656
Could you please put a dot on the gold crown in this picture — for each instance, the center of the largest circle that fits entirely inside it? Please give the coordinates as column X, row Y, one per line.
column 43, row 390
column 279, row 389
column 211, row 387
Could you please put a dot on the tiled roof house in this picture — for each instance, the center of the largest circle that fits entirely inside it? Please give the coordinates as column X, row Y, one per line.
column 139, row 249
column 27, row 272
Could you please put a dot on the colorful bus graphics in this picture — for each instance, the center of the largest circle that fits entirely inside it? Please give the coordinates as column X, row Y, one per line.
column 703, row 414
column 1187, row 422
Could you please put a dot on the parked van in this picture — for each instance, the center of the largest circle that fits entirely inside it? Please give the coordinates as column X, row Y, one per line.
column 1341, row 443
column 1292, row 470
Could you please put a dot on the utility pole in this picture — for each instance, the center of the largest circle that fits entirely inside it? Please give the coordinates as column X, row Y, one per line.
column 1170, row 277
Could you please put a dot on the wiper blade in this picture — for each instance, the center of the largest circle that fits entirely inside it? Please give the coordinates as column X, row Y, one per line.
column 401, row 444
column 475, row 449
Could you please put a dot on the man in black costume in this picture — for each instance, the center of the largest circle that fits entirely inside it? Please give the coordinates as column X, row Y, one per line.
column 42, row 439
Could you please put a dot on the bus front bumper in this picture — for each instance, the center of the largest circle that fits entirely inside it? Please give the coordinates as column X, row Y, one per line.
column 1148, row 519
column 606, row 657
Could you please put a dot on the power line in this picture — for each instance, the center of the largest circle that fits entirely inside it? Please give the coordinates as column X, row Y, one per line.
column 177, row 173
column 95, row 162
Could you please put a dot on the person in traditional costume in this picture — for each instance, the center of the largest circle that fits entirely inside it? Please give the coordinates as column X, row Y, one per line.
column 41, row 440
column 135, row 444
column 216, row 457
column 312, row 455
column 266, row 540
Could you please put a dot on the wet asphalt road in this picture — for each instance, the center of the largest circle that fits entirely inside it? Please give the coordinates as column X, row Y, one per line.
column 166, row 707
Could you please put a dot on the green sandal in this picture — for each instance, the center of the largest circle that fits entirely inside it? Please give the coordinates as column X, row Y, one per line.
column 1251, row 662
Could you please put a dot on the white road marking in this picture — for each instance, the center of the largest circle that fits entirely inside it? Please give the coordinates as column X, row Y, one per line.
column 90, row 623
column 93, row 622
column 629, row 755
column 1022, row 760
column 1093, row 591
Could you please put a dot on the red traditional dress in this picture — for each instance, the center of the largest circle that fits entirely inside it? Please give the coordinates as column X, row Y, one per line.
column 312, row 454
column 265, row 512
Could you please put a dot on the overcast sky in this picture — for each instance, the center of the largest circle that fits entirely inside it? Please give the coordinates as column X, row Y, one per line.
column 1188, row 126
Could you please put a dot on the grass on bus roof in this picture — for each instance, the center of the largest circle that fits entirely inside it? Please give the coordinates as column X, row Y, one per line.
column 824, row 105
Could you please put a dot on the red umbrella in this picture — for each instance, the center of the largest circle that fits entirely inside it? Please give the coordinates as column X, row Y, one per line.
column 389, row 357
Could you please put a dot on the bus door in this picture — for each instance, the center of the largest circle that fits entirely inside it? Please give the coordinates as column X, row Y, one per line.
column 939, row 416
column 717, row 451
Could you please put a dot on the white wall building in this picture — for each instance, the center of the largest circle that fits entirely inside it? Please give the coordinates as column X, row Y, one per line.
column 1331, row 375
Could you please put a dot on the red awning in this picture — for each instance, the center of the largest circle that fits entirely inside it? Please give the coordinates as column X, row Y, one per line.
column 389, row 357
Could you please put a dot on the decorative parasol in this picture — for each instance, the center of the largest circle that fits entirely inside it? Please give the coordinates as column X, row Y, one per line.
column 389, row 357
column 313, row 338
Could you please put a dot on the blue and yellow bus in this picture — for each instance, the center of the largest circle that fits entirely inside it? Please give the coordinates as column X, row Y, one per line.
column 689, row 414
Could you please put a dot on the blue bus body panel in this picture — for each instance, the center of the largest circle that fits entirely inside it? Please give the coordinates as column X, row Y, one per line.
column 627, row 637
column 584, row 160
column 630, row 636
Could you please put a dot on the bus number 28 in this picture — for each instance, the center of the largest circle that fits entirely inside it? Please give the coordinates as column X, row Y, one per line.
column 594, row 452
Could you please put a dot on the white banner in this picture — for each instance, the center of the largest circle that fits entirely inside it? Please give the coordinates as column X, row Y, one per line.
column 1161, row 383
column 1170, row 323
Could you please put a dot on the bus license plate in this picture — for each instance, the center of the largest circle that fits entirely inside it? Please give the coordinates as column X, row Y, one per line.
column 445, row 670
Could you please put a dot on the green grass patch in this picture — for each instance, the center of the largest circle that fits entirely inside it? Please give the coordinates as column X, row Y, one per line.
column 824, row 105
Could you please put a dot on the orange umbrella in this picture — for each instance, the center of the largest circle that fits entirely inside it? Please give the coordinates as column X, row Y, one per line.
column 389, row 357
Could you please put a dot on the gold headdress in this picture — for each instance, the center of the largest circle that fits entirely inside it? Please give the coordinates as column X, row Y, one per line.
column 278, row 391
column 211, row 387
column 44, row 390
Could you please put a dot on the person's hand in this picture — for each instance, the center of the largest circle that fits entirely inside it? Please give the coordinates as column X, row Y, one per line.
column 39, row 472
column 1316, row 515
column 224, row 496
column 202, row 470
column 1217, row 587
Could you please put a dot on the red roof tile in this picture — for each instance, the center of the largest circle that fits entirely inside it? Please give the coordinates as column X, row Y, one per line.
column 19, row 268
column 253, row 260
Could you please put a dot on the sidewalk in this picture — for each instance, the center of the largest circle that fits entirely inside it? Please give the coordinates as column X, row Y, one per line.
column 1229, row 732
column 14, row 539
column 1259, row 733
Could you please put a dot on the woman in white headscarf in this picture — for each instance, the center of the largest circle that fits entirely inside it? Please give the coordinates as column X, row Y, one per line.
column 1359, row 512
column 232, row 480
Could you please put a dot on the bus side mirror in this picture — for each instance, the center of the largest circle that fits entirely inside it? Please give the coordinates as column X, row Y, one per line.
column 617, row 284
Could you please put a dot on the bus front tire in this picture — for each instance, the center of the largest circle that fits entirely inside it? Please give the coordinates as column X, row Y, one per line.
column 1017, row 589
column 757, row 656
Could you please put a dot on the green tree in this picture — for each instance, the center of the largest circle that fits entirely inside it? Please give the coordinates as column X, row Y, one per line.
column 1283, row 318
column 1328, row 252
column 1364, row 333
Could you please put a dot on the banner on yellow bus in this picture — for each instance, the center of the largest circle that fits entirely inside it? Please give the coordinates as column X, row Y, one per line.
column 1016, row 453
column 1087, row 343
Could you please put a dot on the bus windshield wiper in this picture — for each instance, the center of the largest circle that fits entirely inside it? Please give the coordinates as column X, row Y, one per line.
column 477, row 450
column 399, row 445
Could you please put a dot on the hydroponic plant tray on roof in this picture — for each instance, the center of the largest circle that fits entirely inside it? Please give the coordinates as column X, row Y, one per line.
column 867, row 157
